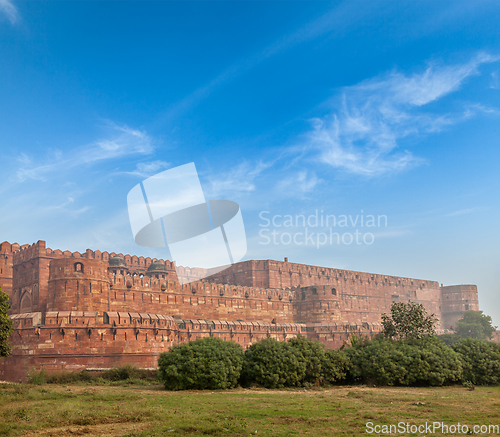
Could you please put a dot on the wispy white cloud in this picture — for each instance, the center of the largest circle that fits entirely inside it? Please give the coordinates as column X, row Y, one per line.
column 434, row 83
column 122, row 141
column 239, row 179
column 146, row 169
column 10, row 10
column 494, row 81
column 361, row 134
column 301, row 183
column 466, row 211
column 339, row 144
column 67, row 207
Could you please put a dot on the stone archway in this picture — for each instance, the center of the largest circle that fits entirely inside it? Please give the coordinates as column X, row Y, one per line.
column 26, row 303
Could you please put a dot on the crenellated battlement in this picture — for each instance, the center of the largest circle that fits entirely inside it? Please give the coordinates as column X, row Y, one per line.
column 75, row 340
column 99, row 309
column 284, row 274
column 8, row 248
column 27, row 252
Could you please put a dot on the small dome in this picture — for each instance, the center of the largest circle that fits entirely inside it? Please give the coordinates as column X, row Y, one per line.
column 117, row 261
column 157, row 266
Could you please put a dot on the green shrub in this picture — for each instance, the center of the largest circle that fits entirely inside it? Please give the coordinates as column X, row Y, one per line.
column 336, row 365
column 425, row 361
column 321, row 365
column 449, row 339
column 312, row 354
column 481, row 361
column 274, row 364
column 206, row 363
column 122, row 373
column 434, row 363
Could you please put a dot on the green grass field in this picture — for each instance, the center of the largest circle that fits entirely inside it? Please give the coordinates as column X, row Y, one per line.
column 132, row 410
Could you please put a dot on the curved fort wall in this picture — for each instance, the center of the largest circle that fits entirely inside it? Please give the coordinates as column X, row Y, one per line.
column 98, row 309
column 87, row 285
column 455, row 300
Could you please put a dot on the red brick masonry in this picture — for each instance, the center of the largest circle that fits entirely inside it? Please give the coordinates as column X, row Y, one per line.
column 97, row 310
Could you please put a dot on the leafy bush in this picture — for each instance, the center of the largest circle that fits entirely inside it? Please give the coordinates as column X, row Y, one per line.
column 274, row 364
column 336, row 365
column 206, row 363
column 449, row 339
column 481, row 361
column 321, row 365
column 425, row 361
column 312, row 354
column 123, row 373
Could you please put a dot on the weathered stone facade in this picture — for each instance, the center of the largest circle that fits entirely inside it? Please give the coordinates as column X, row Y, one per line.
column 99, row 309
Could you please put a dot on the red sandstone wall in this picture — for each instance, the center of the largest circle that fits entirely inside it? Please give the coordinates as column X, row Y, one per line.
column 361, row 297
column 85, row 339
column 75, row 284
column 92, row 288
column 135, row 264
column 6, row 262
column 30, row 278
column 85, row 316
column 139, row 264
column 455, row 300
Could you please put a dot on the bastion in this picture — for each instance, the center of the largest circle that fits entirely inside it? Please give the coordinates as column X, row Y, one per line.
column 96, row 310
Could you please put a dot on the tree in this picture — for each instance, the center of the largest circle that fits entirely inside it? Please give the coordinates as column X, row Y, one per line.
column 5, row 325
column 474, row 324
column 408, row 320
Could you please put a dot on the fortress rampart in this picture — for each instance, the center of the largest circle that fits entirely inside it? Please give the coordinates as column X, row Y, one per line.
column 98, row 309
column 77, row 340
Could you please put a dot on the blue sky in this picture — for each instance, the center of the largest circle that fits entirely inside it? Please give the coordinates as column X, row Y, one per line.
column 344, row 108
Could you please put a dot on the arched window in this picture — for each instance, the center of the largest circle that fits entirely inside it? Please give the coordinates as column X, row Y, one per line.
column 79, row 267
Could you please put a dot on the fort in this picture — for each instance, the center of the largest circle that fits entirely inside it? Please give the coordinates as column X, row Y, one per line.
column 96, row 310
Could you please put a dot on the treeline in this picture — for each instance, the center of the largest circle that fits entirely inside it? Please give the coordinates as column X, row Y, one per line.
column 211, row 363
